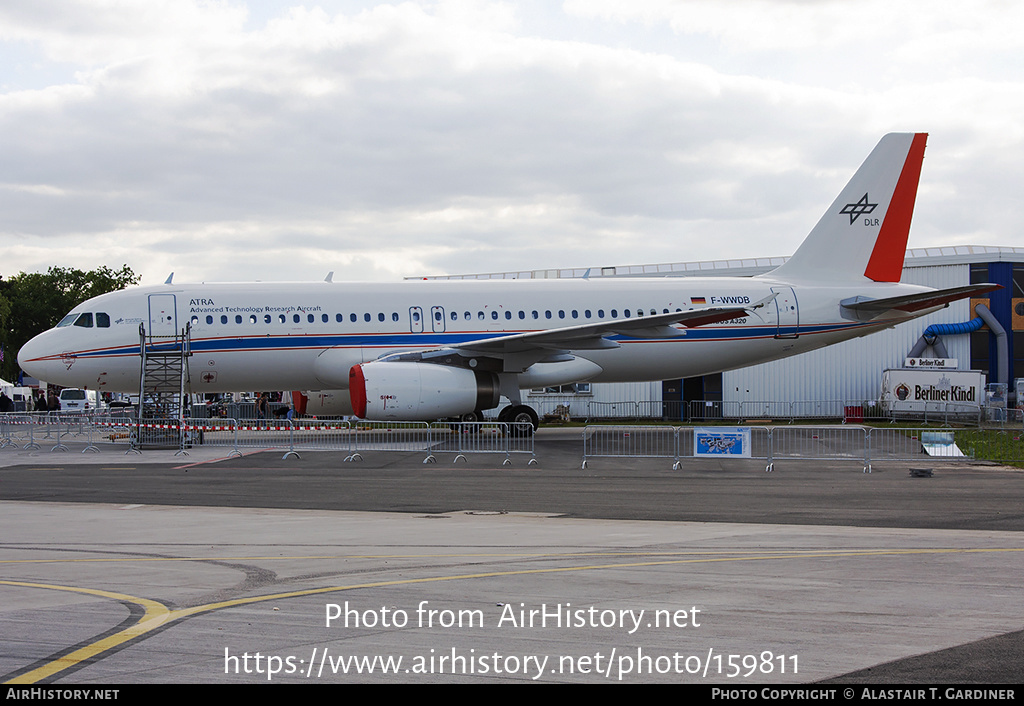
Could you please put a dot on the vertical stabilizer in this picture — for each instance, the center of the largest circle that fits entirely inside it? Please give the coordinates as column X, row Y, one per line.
column 864, row 232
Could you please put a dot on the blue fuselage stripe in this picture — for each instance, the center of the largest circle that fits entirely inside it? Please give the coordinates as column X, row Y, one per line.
column 440, row 340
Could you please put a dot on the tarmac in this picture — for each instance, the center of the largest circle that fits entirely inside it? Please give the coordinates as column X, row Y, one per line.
column 156, row 568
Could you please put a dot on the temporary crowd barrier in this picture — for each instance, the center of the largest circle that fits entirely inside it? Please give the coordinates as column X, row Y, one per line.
column 863, row 445
column 857, row 444
column 353, row 439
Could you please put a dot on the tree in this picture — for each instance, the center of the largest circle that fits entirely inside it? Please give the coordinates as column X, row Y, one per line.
column 32, row 302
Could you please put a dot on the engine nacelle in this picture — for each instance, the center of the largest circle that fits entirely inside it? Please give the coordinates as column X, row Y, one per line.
column 409, row 391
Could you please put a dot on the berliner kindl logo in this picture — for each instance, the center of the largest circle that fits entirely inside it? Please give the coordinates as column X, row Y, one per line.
column 902, row 392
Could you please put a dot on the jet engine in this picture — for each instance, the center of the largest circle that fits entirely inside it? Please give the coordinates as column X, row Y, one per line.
column 410, row 391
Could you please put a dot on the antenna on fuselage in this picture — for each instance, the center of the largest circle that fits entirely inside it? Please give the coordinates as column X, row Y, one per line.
column 169, row 278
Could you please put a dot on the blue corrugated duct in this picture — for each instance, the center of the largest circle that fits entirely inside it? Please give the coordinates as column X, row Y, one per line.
column 954, row 329
column 930, row 337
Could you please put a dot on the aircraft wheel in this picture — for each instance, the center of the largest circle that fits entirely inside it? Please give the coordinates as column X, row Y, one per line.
column 519, row 415
column 476, row 416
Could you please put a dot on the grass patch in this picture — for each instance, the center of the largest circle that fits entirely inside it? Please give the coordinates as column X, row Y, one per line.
column 992, row 445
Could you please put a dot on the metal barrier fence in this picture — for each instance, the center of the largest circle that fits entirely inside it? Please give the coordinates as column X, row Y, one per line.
column 356, row 438
column 632, row 442
column 818, row 444
column 463, row 438
column 35, row 430
column 676, row 443
column 856, row 444
column 772, row 444
column 30, row 430
column 698, row 411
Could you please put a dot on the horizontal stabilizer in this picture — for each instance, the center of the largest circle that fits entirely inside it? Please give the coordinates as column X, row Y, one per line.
column 864, row 309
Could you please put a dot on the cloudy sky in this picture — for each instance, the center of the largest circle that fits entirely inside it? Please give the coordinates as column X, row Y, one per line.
column 277, row 140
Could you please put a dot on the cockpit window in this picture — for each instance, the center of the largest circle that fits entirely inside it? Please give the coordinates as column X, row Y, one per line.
column 102, row 320
column 67, row 320
column 84, row 320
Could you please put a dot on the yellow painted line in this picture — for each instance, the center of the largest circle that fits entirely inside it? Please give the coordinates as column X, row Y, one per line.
column 154, row 615
column 157, row 615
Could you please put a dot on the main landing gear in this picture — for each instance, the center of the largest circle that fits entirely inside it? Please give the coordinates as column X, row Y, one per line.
column 518, row 415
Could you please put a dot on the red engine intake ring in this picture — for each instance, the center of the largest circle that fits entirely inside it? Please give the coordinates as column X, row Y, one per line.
column 357, row 390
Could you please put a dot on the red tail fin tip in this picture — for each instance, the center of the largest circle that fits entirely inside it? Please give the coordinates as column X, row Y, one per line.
column 886, row 262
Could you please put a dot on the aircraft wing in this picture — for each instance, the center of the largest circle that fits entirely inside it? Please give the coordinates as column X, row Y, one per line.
column 595, row 336
column 864, row 309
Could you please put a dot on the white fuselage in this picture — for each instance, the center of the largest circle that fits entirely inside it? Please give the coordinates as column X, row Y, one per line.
column 307, row 336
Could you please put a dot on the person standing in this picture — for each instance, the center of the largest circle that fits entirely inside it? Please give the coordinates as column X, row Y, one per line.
column 262, row 407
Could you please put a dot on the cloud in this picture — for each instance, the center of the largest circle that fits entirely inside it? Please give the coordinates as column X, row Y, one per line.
column 228, row 141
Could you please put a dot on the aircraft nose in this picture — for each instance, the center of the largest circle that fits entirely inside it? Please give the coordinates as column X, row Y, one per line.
column 37, row 358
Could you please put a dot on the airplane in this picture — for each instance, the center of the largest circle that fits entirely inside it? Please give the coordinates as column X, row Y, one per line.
column 430, row 349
